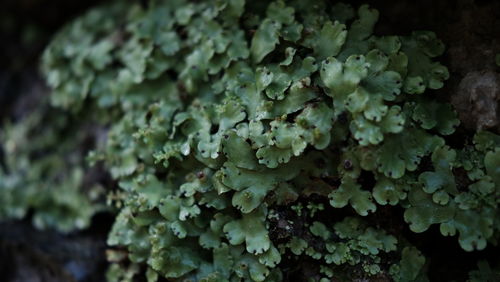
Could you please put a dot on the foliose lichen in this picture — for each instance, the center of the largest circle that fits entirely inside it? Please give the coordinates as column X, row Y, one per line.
column 42, row 173
column 224, row 116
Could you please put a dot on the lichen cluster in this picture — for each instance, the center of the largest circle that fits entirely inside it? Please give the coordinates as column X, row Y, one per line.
column 238, row 132
column 42, row 174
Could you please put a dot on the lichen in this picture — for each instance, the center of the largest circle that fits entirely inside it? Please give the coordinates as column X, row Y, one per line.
column 43, row 174
column 228, row 120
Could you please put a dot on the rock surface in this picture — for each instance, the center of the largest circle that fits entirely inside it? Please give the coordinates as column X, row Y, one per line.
column 476, row 100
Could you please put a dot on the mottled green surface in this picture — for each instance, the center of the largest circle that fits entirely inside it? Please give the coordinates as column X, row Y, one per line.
column 44, row 172
column 223, row 113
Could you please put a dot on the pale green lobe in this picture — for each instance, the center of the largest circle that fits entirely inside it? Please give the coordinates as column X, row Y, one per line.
column 351, row 193
column 279, row 12
column 387, row 191
column 492, row 164
column 423, row 212
column 264, row 40
column 330, row 40
column 250, row 229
